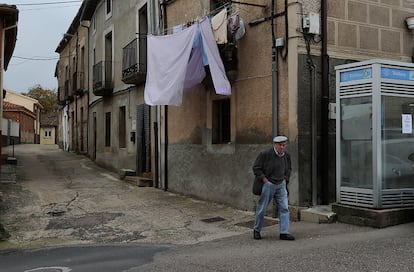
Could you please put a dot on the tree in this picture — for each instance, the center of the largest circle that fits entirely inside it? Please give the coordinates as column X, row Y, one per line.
column 47, row 98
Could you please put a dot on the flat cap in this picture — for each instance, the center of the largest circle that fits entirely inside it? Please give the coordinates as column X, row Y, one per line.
column 280, row 139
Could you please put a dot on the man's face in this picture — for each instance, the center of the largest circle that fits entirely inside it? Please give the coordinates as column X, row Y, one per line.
column 280, row 147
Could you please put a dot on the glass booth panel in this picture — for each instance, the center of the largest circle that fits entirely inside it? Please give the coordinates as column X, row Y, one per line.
column 397, row 142
column 356, row 142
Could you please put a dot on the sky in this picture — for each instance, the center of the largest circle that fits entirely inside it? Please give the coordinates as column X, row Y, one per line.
column 40, row 28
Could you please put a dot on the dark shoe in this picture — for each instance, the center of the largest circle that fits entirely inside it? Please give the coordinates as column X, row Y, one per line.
column 287, row 236
column 256, row 235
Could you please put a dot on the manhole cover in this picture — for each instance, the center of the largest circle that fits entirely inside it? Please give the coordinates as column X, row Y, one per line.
column 213, row 219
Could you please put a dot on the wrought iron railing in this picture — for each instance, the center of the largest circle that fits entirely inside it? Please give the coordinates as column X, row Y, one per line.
column 102, row 77
column 134, row 60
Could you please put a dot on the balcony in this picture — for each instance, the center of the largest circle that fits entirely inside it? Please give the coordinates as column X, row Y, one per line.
column 60, row 100
column 102, row 78
column 134, row 61
column 78, row 83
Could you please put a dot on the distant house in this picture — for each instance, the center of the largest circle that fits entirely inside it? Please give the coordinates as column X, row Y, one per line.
column 31, row 105
column 48, row 129
column 25, row 118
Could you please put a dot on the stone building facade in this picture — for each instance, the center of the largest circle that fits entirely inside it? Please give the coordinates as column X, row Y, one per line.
column 282, row 79
column 346, row 31
column 73, row 96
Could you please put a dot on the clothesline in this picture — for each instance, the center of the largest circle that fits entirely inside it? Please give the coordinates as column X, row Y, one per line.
column 227, row 5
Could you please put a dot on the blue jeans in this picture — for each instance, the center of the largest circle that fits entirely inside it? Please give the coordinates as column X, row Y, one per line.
column 270, row 191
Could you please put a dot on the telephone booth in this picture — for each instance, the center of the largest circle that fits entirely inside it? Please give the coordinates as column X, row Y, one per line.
column 374, row 134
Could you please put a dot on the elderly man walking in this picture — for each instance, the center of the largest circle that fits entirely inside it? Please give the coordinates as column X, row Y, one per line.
column 273, row 167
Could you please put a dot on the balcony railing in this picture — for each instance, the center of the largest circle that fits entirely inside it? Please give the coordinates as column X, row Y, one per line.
column 134, row 61
column 78, row 83
column 66, row 89
column 102, row 78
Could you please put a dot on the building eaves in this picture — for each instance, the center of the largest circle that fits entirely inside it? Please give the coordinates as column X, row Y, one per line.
column 10, row 107
column 71, row 30
column 10, row 16
column 89, row 9
column 35, row 101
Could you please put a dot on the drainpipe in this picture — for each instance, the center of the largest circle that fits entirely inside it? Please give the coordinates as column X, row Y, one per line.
column 165, row 25
column 155, row 29
column 324, row 107
column 76, row 96
column 87, row 84
column 312, row 75
column 314, row 130
column 274, row 76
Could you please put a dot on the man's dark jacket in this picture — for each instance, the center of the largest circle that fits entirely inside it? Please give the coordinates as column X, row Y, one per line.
column 276, row 169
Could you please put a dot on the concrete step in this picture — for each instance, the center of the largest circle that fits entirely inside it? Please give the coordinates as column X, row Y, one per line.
column 139, row 181
column 126, row 173
column 373, row 218
column 11, row 160
column 318, row 214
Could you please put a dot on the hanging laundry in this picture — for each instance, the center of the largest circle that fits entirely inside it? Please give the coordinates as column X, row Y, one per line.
column 168, row 58
column 241, row 31
column 218, row 73
column 195, row 69
column 197, row 42
column 219, row 25
column 234, row 23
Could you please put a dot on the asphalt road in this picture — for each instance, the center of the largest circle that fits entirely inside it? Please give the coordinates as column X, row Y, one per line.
column 319, row 248
column 104, row 258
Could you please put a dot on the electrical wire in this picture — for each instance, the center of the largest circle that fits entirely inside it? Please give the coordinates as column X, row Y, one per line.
column 49, row 3
column 36, row 58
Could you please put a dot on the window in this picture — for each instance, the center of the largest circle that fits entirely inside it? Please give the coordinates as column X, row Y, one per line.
column 94, row 24
column 143, row 30
column 48, row 133
column 122, row 127
column 108, row 7
column 82, row 68
column 108, row 59
column 82, row 128
column 108, row 129
column 221, row 121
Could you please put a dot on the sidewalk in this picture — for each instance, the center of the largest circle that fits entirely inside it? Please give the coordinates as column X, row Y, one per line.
column 7, row 175
column 61, row 198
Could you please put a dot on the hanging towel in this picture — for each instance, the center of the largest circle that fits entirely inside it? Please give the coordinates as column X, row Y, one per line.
column 219, row 24
column 168, row 57
column 195, row 69
column 218, row 73
column 197, row 42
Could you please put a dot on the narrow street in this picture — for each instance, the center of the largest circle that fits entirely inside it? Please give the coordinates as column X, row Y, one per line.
column 61, row 198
